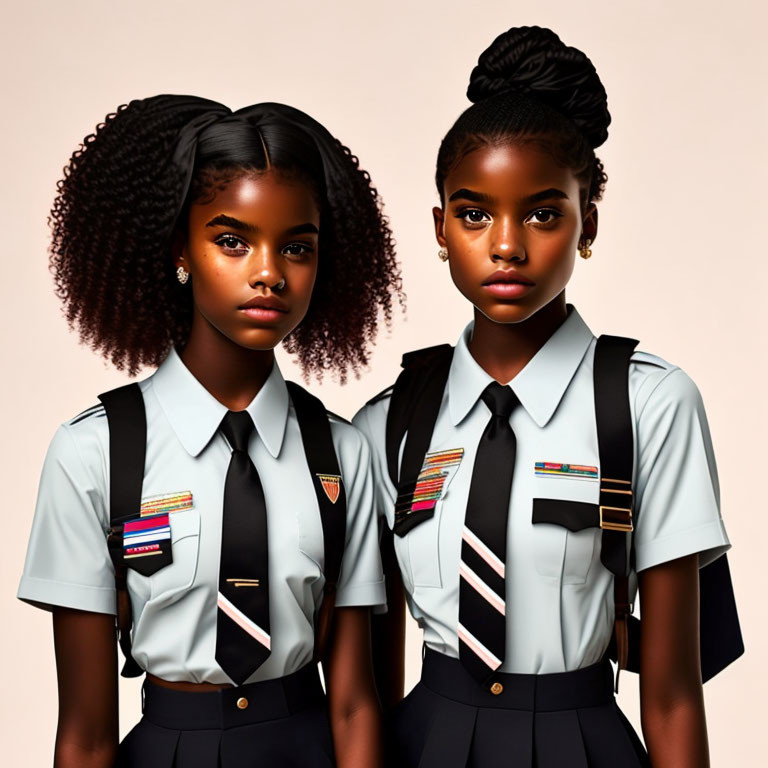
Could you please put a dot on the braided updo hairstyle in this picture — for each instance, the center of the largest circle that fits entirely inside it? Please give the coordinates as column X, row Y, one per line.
column 124, row 200
column 528, row 86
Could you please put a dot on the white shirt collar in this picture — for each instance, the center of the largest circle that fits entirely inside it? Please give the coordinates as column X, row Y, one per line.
column 195, row 414
column 539, row 386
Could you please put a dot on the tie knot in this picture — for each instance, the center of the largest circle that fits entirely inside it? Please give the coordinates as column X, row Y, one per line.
column 500, row 399
column 237, row 427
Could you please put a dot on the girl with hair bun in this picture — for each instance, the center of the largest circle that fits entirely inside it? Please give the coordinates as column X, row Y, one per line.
column 216, row 513
column 533, row 476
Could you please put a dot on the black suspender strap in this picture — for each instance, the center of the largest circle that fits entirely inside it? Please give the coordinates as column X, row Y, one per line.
column 127, row 420
column 401, row 406
column 414, row 407
column 420, row 390
column 616, row 448
column 331, row 498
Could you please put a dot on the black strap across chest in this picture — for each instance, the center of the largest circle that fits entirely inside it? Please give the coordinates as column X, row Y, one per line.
column 322, row 461
column 127, row 421
column 414, row 406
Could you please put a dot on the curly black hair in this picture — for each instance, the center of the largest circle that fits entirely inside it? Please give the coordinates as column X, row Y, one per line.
column 528, row 86
column 122, row 203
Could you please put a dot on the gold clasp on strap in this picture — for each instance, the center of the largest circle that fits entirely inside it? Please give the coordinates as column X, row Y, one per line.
column 616, row 519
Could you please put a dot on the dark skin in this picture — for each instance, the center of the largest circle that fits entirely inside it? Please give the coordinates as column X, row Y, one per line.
column 254, row 243
column 513, row 209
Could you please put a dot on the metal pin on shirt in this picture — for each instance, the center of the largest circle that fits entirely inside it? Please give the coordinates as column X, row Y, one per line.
column 244, row 582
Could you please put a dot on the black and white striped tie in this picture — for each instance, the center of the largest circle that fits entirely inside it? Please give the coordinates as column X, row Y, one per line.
column 482, row 592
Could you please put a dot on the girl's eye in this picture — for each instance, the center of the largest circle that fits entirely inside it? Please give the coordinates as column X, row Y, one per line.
column 297, row 249
column 232, row 244
column 543, row 216
column 474, row 217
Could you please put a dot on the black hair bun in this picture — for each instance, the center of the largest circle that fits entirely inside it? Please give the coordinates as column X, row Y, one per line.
column 535, row 62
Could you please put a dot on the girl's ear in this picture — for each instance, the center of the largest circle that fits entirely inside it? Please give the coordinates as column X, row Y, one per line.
column 589, row 223
column 439, row 216
column 179, row 250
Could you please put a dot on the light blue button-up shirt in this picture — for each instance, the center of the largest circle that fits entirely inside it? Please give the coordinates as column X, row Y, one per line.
column 559, row 596
column 175, row 610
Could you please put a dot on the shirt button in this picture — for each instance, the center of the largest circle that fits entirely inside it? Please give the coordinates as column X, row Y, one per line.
column 497, row 688
column 242, row 703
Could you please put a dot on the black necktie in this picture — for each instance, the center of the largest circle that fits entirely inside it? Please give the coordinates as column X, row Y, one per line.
column 482, row 592
column 242, row 624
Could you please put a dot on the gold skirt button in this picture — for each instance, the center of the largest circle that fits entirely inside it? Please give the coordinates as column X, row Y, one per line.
column 242, row 703
column 497, row 688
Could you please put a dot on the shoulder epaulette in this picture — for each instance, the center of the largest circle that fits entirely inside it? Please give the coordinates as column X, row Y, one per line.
column 385, row 393
column 94, row 410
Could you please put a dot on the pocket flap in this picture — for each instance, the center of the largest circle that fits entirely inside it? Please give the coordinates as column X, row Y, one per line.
column 573, row 515
column 405, row 524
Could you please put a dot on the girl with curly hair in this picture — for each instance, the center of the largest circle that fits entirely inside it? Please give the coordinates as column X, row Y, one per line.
column 533, row 474
column 216, row 510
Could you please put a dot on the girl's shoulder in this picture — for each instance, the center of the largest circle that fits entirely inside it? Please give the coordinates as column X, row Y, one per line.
column 83, row 439
column 657, row 386
column 371, row 419
column 350, row 441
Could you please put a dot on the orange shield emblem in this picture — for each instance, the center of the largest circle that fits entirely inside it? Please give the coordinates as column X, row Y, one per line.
column 332, row 486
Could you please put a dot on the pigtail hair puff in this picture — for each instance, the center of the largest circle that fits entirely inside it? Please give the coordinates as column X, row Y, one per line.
column 111, row 224
column 529, row 85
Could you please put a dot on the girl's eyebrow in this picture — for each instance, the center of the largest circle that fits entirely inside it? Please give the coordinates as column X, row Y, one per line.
column 482, row 197
column 471, row 195
column 222, row 220
column 545, row 194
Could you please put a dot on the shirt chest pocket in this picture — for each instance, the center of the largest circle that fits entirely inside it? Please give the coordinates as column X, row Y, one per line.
column 419, row 514
column 157, row 575
column 566, row 540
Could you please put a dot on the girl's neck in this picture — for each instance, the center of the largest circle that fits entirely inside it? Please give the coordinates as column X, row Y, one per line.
column 503, row 349
column 230, row 372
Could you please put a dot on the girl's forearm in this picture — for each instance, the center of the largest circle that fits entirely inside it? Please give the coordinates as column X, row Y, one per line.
column 71, row 754
column 357, row 737
column 676, row 733
column 671, row 695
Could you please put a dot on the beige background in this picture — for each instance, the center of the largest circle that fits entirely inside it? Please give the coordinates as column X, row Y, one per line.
column 679, row 261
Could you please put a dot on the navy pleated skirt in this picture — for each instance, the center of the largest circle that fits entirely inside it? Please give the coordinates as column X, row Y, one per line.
column 536, row 721
column 281, row 722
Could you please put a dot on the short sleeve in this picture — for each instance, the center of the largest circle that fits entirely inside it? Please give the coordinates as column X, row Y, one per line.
column 371, row 421
column 361, row 582
column 677, row 491
column 67, row 561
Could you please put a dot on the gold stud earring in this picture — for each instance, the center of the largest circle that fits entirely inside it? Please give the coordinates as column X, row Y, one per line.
column 182, row 275
column 584, row 250
column 442, row 254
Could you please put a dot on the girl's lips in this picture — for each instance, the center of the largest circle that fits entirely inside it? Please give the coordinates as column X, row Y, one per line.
column 264, row 309
column 263, row 314
column 508, row 290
